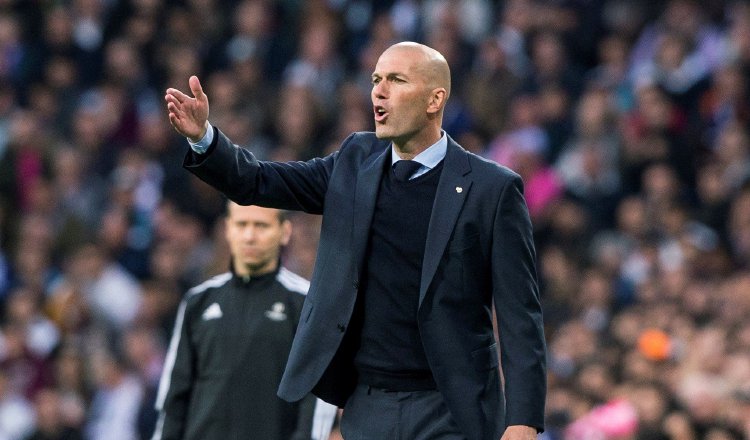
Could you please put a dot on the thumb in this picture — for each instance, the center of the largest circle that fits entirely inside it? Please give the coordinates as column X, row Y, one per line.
column 195, row 87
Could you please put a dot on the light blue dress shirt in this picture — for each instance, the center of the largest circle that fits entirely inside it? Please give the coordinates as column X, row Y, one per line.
column 202, row 145
column 429, row 158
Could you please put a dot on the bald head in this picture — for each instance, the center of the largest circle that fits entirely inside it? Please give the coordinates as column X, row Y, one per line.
column 429, row 63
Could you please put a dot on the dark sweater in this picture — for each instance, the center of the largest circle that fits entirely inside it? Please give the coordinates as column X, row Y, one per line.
column 391, row 355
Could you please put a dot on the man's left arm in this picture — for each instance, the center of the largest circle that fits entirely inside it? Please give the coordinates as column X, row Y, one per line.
column 519, row 314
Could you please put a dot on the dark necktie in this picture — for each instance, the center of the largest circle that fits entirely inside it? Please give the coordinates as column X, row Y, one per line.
column 403, row 169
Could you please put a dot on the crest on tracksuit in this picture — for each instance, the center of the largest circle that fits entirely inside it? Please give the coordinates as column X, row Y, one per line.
column 277, row 312
column 212, row 312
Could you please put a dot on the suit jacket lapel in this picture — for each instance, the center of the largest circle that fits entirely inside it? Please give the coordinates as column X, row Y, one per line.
column 366, row 193
column 453, row 188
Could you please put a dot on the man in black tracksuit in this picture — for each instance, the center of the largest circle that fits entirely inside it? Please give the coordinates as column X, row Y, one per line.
column 231, row 342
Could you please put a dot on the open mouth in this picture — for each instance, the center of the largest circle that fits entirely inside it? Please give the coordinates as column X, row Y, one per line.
column 380, row 114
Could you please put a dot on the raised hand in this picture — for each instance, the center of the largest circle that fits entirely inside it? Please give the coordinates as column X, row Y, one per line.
column 189, row 116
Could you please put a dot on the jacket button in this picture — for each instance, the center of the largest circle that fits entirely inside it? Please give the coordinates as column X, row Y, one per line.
column 341, row 327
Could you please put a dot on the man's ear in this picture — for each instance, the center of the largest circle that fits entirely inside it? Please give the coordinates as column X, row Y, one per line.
column 286, row 232
column 437, row 100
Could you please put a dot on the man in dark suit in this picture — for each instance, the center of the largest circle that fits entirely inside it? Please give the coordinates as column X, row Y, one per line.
column 419, row 238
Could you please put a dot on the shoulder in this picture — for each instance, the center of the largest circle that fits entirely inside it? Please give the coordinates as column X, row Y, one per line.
column 487, row 168
column 292, row 282
column 363, row 144
column 362, row 138
column 207, row 286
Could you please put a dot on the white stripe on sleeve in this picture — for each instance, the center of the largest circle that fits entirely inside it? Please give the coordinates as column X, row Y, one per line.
column 169, row 362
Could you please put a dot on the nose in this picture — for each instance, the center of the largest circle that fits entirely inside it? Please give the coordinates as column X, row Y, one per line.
column 249, row 233
column 379, row 90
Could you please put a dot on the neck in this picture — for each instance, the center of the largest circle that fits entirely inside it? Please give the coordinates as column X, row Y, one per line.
column 248, row 271
column 409, row 148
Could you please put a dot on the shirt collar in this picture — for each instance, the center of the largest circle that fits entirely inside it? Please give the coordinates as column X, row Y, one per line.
column 240, row 280
column 429, row 157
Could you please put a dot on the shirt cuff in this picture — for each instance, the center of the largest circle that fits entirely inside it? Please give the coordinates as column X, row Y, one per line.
column 202, row 145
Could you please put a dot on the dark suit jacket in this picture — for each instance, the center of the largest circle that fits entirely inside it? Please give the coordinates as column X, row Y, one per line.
column 479, row 249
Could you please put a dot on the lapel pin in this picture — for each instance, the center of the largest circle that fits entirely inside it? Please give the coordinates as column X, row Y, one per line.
column 459, row 189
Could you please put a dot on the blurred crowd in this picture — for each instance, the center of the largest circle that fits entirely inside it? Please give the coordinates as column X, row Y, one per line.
column 629, row 121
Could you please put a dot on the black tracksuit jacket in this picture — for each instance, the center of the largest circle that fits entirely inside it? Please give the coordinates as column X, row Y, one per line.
column 226, row 358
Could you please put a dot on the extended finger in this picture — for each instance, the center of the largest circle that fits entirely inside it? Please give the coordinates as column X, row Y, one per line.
column 176, row 113
column 177, row 109
column 196, row 88
column 173, row 102
column 178, row 95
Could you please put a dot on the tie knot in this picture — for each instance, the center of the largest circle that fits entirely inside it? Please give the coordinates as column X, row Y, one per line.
column 403, row 169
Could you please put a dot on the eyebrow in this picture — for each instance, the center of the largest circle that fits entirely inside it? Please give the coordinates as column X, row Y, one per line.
column 390, row 75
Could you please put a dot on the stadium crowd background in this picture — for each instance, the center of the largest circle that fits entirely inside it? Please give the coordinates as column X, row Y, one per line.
column 628, row 120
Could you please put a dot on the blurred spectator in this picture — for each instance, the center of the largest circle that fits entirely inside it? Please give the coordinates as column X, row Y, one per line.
column 354, row 115
column 698, row 41
column 144, row 351
column 617, row 419
column 523, row 148
column 655, row 131
column 112, row 293
column 17, row 418
column 297, row 133
column 588, row 163
column 731, row 150
column 490, row 104
column 115, row 404
column 25, row 371
column 552, row 66
column 50, row 424
column 611, row 72
column 515, row 24
column 471, row 19
column 158, row 306
column 724, row 102
column 74, row 385
column 254, row 23
column 27, row 156
column 672, row 67
column 81, row 194
column 318, row 66
column 15, row 55
column 24, row 310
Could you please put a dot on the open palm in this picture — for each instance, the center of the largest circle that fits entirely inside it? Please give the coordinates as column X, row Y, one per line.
column 188, row 115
